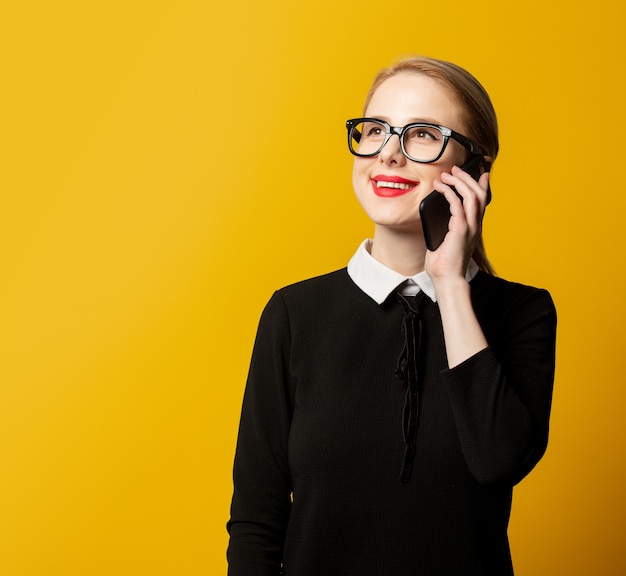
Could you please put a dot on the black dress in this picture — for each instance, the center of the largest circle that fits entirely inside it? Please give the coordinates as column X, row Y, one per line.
column 323, row 434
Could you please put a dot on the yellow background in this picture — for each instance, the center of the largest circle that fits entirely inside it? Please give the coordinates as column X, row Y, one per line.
column 155, row 191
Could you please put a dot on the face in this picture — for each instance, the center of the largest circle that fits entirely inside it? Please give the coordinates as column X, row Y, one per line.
column 389, row 186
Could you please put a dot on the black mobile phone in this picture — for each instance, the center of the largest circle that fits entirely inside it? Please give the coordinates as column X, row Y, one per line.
column 435, row 209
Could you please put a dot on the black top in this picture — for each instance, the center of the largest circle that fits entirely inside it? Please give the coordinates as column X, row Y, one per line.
column 322, row 440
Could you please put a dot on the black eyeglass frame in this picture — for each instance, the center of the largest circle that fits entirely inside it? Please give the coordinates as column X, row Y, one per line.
column 399, row 131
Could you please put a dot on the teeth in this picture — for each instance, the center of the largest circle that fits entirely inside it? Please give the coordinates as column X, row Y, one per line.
column 398, row 185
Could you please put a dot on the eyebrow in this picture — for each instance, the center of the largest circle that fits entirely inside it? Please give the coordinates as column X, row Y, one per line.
column 412, row 120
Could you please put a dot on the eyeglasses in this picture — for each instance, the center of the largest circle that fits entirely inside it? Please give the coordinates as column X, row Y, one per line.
column 419, row 141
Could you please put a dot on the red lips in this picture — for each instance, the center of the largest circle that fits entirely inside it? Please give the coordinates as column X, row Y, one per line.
column 392, row 186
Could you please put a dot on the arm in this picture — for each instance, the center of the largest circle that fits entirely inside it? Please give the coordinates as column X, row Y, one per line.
column 462, row 332
column 501, row 396
column 447, row 265
column 261, row 499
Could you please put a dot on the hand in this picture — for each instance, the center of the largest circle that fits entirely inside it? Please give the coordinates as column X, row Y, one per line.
column 450, row 260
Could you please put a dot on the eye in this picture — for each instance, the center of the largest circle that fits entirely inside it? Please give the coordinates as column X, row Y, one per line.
column 373, row 130
column 424, row 134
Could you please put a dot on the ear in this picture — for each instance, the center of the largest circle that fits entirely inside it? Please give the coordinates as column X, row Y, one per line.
column 488, row 163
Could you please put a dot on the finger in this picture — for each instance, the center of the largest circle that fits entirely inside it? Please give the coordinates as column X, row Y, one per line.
column 485, row 185
column 480, row 188
column 466, row 195
column 456, row 203
column 471, row 190
column 474, row 198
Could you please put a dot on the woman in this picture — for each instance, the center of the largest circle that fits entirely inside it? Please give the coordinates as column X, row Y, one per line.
column 392, row 405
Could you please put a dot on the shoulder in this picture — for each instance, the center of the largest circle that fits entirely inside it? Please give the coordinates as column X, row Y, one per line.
column 330, row 280
column 502, row 298
column 318, row 289
column 487, row 286
column 324, row 299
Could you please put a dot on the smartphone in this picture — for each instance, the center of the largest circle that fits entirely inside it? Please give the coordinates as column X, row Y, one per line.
column 435, row 209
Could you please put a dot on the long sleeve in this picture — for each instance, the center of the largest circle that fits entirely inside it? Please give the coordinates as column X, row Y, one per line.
column 262, row 487
column 501, row 397
column 321, row 444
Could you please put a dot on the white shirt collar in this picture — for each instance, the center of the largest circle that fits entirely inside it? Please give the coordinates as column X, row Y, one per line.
column 378, row 281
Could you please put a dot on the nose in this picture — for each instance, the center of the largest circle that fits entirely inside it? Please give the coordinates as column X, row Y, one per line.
column 392, row 151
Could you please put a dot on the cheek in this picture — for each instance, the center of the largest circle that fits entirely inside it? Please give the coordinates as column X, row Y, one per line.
column 359, row 176
column 458, row 157
column 443, row 165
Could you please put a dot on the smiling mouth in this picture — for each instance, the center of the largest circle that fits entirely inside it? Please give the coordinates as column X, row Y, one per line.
column 396, row 185
column 393, row 187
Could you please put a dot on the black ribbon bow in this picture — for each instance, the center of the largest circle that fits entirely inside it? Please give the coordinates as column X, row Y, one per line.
column 408, row 369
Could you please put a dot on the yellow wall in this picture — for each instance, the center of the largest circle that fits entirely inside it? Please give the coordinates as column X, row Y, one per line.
column 154, row 192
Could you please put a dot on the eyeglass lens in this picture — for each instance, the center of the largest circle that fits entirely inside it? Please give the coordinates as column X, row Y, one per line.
column 421, row 142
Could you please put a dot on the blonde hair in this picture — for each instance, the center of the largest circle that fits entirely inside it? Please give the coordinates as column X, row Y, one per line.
column 477, row 112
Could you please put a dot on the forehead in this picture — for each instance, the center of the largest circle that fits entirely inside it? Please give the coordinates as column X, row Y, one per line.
column 408, row 97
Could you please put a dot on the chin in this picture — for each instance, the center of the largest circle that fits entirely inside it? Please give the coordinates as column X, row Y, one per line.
column 409, row 216
column 400, row 224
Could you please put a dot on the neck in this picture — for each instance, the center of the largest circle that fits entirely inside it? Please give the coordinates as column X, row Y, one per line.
column 401, row 250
